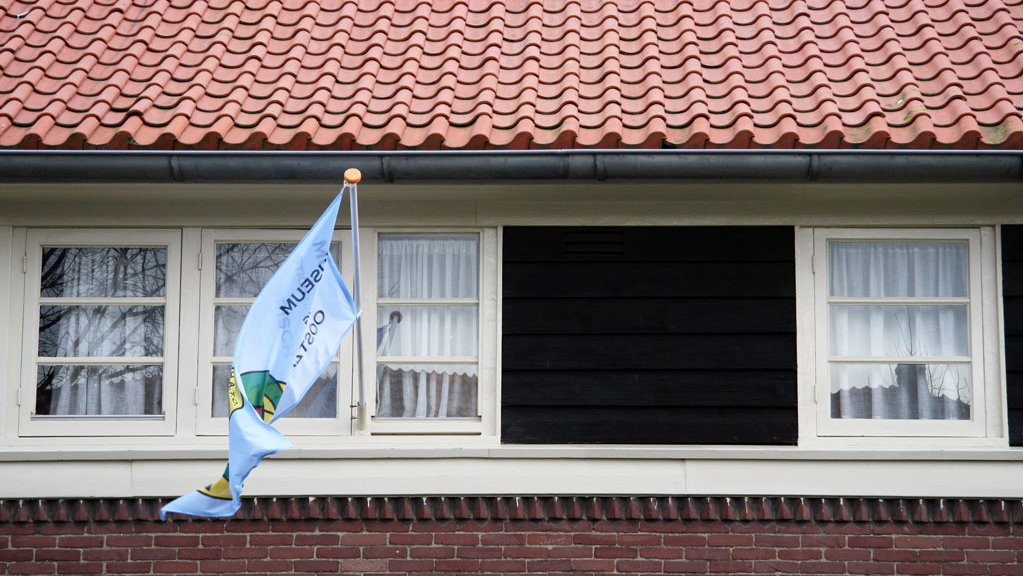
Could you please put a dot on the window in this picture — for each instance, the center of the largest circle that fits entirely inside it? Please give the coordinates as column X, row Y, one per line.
column 132, row 332
column 100, row 332
column 427, row 359
column 242, row 262
column 900, row 342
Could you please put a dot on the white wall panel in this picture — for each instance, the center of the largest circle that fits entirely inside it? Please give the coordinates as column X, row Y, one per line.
column 522, row 476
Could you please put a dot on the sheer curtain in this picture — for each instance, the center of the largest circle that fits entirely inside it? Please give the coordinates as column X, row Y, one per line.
column 422, row 271
column 895, row 386
column 81, row 330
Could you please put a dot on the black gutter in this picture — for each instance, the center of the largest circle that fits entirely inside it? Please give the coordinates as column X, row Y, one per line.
column 195, row 166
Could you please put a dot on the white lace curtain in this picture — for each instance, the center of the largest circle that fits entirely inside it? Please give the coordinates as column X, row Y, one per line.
column 80, row 331
column 896, row 386
column 427, row 268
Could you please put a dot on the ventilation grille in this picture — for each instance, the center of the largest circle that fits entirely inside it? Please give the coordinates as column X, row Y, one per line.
column 600, row 242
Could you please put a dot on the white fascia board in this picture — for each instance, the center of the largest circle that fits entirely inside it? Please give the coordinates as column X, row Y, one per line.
column 180, row 453
column 523, row 477
column 66, row 479
column 429, row 477
column 891, row 479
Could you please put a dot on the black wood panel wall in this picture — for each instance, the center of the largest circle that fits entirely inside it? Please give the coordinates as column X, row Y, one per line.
column 1012, row 290
column 649, row 335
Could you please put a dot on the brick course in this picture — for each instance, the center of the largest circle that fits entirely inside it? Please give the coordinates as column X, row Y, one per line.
column 739, row 536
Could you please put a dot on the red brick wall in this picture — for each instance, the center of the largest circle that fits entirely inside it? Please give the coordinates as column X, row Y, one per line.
column 518, row 536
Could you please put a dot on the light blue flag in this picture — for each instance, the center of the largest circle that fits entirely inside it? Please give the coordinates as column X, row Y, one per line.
column 290, row 335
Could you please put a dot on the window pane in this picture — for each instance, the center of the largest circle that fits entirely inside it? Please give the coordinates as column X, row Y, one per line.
column 103, row 272
column 227, row 321
column 898, row 269
column 426, row 391
column 900, row 391
column 899, row 330
column 319, row 402
column 99, row 390
column 428, row 266
column 426, row 330
column 243, row 268
column 101, row 331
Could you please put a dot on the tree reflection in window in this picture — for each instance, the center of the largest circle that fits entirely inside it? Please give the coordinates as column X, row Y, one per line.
column 242, row 269
column 77, row 320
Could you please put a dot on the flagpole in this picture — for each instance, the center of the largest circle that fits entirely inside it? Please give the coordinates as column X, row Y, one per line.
column 352, row 178
column 291, row 333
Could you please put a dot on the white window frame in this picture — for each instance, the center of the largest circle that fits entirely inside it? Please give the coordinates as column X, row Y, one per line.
column 207, row 425
column 987, row 421
column 488, row 339
column 149, row 425
column 188, row 352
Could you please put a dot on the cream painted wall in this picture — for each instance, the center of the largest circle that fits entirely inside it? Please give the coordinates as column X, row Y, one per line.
column 278, row 205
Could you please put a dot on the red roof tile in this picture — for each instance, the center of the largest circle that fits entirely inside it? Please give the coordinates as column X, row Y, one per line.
column 511, row 74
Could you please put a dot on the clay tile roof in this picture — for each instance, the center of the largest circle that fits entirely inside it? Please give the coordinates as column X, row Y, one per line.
column 511, row 74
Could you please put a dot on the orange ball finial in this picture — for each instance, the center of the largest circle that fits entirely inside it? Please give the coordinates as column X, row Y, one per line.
column 353, row 176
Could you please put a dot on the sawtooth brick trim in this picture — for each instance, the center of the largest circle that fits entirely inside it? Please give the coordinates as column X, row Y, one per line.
column 548, row 509
column 505, row 535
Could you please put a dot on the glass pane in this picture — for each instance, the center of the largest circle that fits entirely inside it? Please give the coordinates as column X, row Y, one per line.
column 901, row 391
column 110, row 272
column 243, row 268
column 898, row 269
column 319, row 402
column 428, row 266
column 227, row 321
column 426, row 391
column 899, row 330
column 100, row 331
column 426, row 330
column 99, row 390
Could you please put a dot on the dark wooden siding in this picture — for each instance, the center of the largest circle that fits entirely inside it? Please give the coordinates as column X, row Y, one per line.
column 1012, row 289
column 649, row 335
